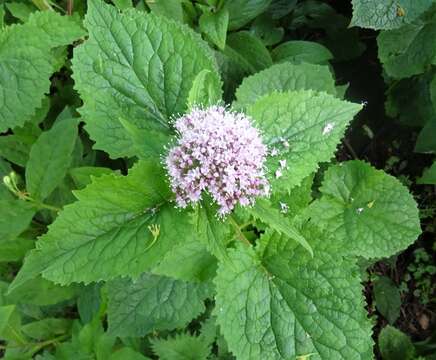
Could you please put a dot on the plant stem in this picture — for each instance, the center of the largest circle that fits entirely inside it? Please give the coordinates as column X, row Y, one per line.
column 241, row 236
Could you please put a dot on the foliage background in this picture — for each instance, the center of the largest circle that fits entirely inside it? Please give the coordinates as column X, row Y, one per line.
column 384, row 59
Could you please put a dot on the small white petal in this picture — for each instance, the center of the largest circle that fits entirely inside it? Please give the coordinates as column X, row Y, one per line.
column 328, row 128
column 359, row 210
column 284, row 208
column 278, row 173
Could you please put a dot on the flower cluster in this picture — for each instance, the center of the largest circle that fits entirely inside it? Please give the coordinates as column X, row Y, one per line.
column 220, row 152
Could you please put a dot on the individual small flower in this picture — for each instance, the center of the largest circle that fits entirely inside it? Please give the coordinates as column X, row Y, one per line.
column 220, row 152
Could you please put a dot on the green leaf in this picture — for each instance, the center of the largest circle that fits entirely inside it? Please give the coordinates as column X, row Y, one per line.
column 387, row 14
column 428, row 176
column 146, row 149
column 298, row 51
column 171, row 9
column 371, row 212
column 15, row 249
column 181, row 347
column 426, row 141
column 387, row 298
column 121, row 225
column 214, row 26
column 284, row 77
column 394, row 344
column 153, row 303
column 214, row 232
column 82, row 176
column 248, row 52
column 15, row 217
column 243, row 11
column 10, row 324
column 206, row 89
column 408, row 50
column 50, row 157
column 47, row 328
column 283, row 303
column 264, row 211
column 123, row 4
column 304, row 127
column 127, row 353
column 188, row 261
column 27, row 61
column 128, row 70
column 20, row 11
column 14, row 149
column 40, row 292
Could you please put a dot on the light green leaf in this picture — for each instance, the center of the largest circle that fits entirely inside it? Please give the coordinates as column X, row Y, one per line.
column 20, row 11
column 121, row 225
column 15, row 217
column 181, row 347
column 15, row 249
column 243, row 11
column 394, row 344
column 214, row 26
column 283, row 303
column 387, row 298
column 369, row 211
column 426, row 141
column 123, row 4
column 264, row 211
column 153, row 303
column 27, row 61
column 304, row 127
column 137, row 67
column 50, row 157
column 12, row 148
column 47, row 328
column 188, row 261
column 40, row 292
column 171, row 9
column 213, row 231
column 127, row 353
column 206, row 89
column 408, row 50
column 248, row 52
column 10, row 324
column 298, row 51
column 146, row 143
column 82, row 176
column 387, row 14
column 284, row 77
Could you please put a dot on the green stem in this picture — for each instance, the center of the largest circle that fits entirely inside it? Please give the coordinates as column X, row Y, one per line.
column 40, row 205
column 237, row 228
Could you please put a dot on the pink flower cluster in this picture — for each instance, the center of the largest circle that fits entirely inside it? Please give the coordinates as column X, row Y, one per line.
column 220, row 152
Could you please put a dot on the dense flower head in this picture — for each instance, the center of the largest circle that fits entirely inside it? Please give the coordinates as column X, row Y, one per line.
column 220, row 152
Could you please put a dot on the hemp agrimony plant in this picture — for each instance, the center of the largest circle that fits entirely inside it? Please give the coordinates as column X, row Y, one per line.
column 218, row 218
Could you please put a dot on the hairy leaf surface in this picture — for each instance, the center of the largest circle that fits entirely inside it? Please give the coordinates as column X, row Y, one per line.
column 137, row 67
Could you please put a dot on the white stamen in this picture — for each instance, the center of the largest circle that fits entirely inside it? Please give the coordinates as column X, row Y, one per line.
column 282, row 163
column 278, row 173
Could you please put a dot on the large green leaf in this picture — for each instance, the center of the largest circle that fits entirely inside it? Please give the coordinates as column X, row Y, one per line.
column 214, row 26
column 243, row 11
column 15, row 217
column 387, row 14
column 280, row 303
column 371, row 212
column 137, row 67
column 153, row 303
column 394, row 344
column 298, row 51
column 284, row 77
column 182, row 347
column 50, row 157
column 27, row 61
column 304, row 127
column 408, row 50
column 121, row 225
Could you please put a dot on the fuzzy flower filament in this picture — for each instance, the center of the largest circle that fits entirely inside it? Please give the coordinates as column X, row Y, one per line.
column 220, row 152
